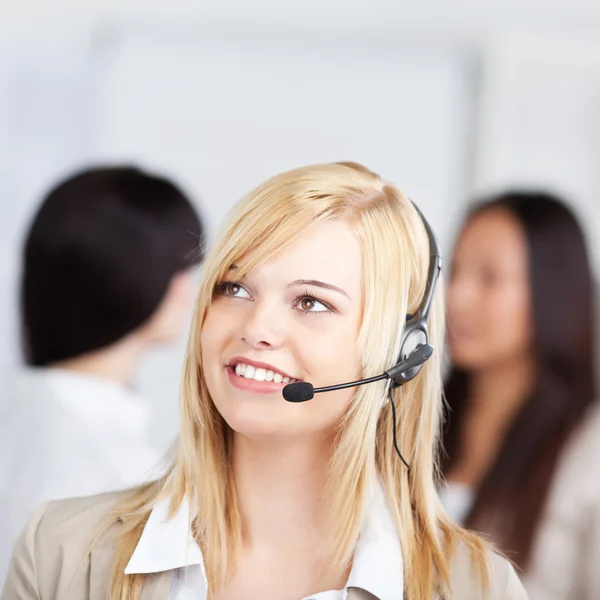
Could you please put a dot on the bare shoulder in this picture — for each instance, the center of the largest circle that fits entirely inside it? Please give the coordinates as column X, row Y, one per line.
column 53, row 550
column 503, row 581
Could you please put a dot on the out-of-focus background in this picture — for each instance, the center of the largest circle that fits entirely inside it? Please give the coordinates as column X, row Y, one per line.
column 450, row 100
column 454, row 101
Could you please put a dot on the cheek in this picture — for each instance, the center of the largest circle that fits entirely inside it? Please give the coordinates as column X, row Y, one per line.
column 207, row 342
column 329, row 353
column 213, row 337
column 329, row 358
column 508, row 321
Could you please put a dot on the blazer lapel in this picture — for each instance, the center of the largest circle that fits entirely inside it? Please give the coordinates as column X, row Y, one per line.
column 156, row 585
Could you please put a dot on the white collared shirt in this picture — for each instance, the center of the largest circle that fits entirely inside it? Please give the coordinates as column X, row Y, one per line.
column 168, row 545
column 65, row 434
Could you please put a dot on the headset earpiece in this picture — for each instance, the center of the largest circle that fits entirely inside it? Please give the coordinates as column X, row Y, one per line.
column 414, row 337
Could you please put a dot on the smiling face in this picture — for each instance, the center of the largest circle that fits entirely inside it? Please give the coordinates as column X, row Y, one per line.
column 296, row 316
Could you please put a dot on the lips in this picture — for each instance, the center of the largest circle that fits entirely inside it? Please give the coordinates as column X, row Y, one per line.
column 271, row 379
column 258, row 366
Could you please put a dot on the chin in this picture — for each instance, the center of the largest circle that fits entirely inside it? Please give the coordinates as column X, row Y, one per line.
column 258, row 430
column 254, row 421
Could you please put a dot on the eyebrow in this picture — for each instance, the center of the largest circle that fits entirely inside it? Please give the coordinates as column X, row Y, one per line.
column 317, row 283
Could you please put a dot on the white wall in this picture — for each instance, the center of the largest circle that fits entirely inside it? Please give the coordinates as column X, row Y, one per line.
column 539, row 120
column 460, row 20
column 45, row 130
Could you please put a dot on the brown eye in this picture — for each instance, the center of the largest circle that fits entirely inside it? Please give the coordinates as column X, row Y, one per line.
column 232, row 289
column 307, row 303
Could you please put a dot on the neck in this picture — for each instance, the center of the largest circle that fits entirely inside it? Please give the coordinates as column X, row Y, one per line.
column 280, row 490
column 502, row 389
column 116, row 362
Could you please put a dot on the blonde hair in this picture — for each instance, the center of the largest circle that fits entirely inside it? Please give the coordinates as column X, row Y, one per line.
column 395, row 264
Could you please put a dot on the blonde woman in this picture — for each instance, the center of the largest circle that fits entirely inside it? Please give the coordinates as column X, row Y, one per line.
column 311, row 281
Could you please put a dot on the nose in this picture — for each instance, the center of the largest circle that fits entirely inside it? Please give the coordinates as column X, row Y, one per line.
column 264, row 326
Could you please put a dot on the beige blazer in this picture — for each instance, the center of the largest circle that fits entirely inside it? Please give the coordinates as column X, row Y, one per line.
column 566, row 556
column 52, row 559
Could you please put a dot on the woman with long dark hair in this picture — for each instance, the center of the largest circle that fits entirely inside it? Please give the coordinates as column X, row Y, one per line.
column 523, row 435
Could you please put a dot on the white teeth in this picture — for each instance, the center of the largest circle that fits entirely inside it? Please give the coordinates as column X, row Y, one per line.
column 260, row 374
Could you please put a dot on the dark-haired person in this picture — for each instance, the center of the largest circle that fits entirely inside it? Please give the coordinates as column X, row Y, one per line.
column 106, row 276
column 523, row 437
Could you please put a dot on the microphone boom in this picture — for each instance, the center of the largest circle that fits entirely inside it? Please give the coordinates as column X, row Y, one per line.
column 302, row 391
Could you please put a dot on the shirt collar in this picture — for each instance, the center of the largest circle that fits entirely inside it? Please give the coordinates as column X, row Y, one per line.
column 167, row 544
column 378, row 567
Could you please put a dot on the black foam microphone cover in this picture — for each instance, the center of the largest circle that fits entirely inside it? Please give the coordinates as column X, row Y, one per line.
column 301, row 391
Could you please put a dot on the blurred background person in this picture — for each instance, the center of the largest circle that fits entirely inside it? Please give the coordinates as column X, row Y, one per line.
column 523, row 433
column 106, row 277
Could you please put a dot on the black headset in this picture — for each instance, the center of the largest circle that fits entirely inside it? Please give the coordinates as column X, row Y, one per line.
column 414, row 346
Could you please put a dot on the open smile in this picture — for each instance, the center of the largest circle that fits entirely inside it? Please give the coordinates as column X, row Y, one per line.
column 257, row 377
